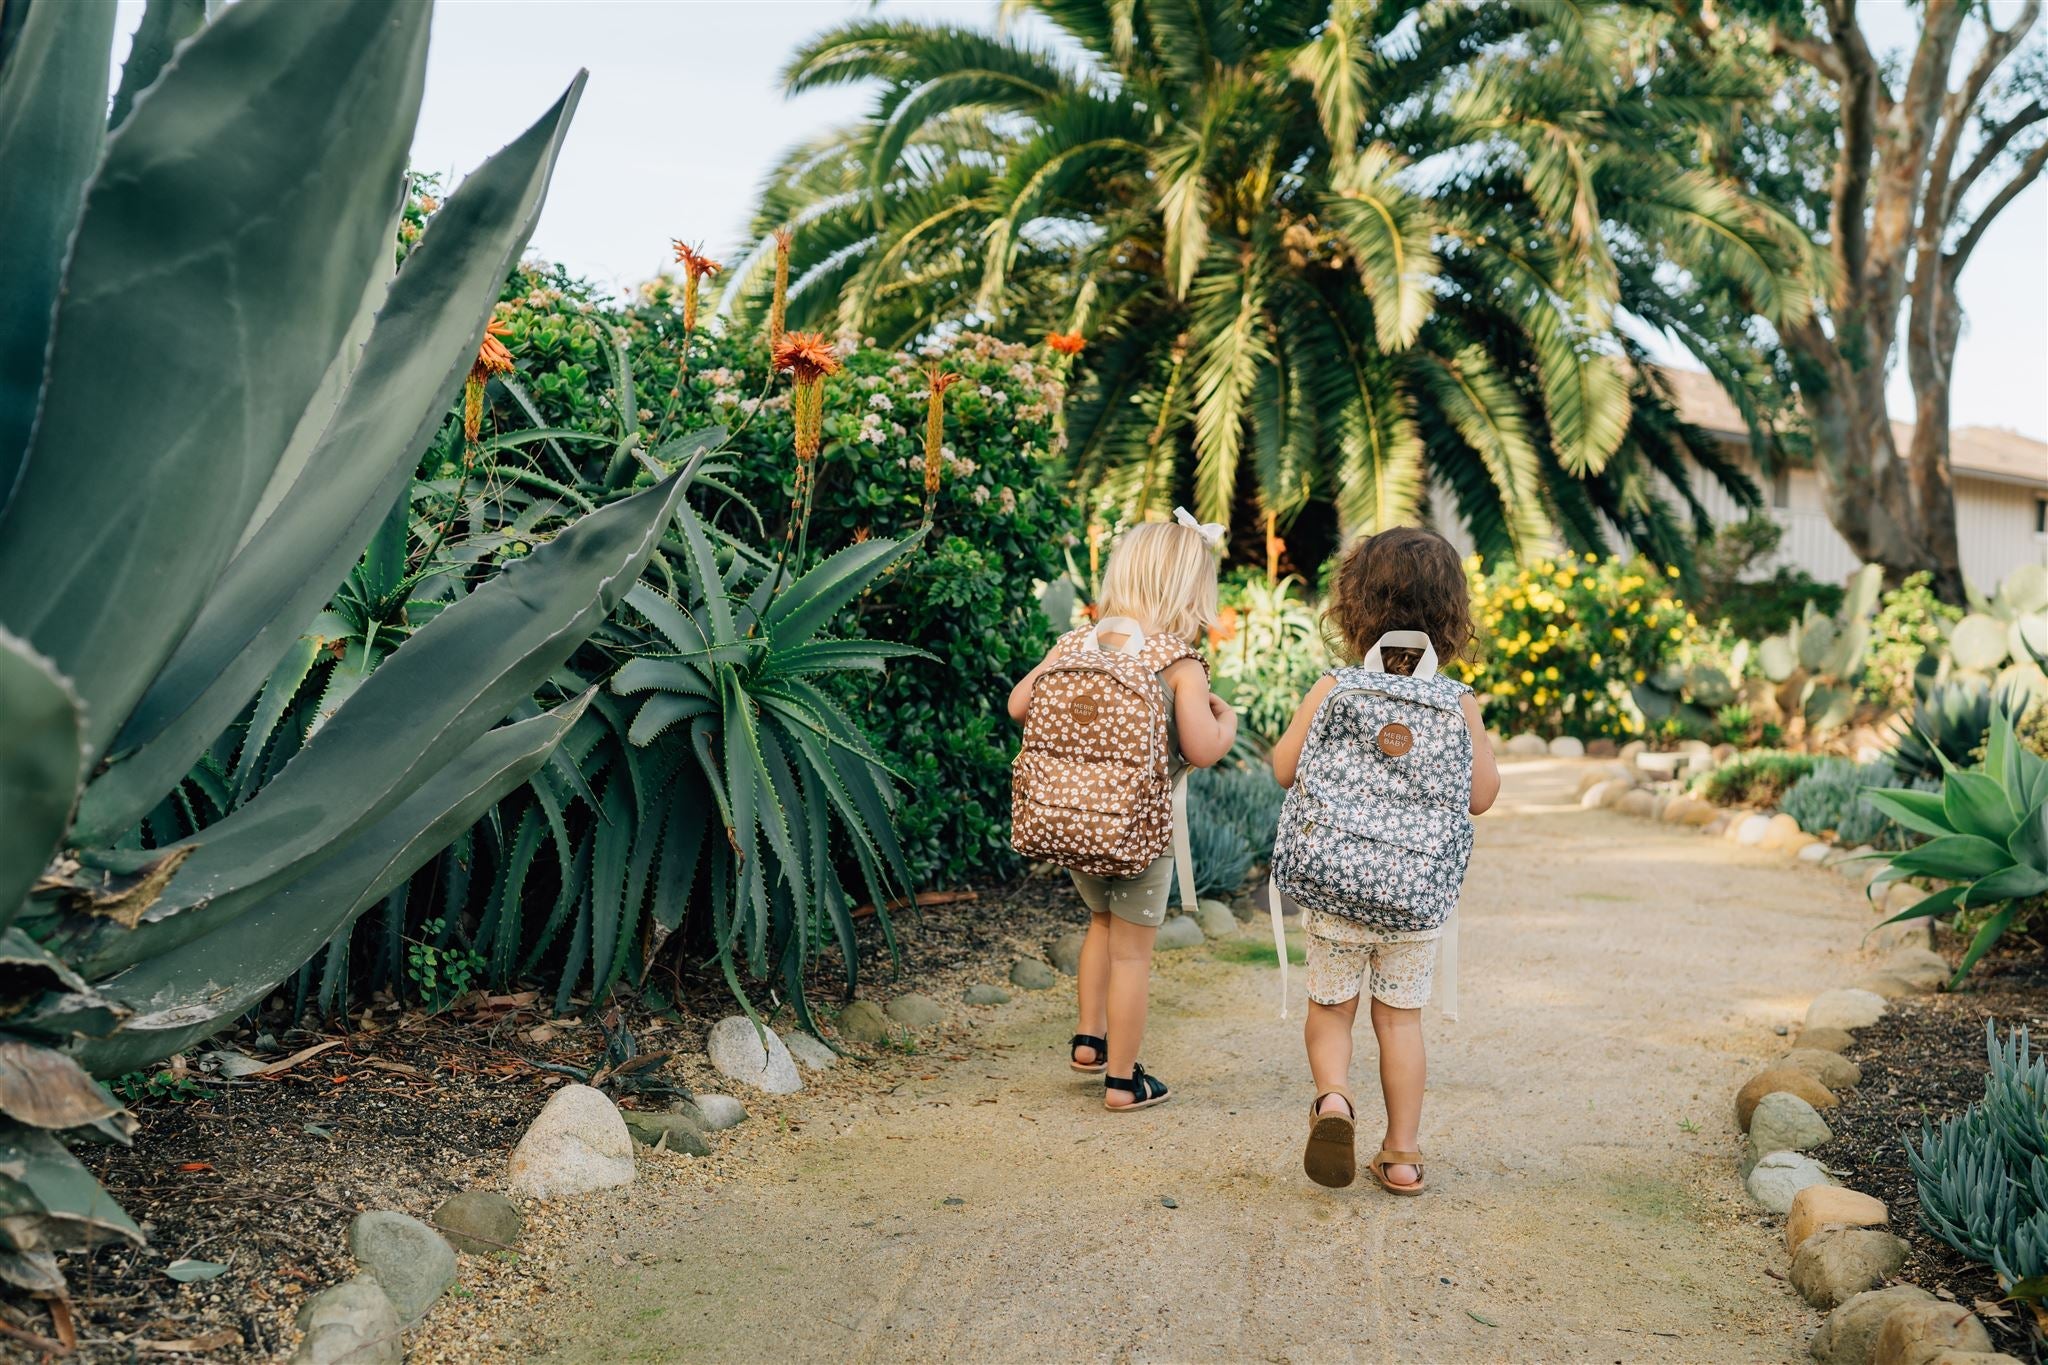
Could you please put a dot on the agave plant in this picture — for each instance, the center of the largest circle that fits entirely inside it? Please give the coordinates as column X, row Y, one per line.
column 744, row 733
column 1948, row 725
column 1346, row 248
column 221, row 416
column 1987, row 837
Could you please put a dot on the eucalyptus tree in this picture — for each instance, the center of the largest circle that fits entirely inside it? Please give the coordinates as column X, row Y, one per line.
column 1311, row 253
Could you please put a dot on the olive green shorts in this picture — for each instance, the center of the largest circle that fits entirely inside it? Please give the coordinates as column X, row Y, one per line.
column 1138, row 900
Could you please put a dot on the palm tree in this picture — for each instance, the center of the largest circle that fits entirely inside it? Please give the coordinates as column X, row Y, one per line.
column 1345, row 252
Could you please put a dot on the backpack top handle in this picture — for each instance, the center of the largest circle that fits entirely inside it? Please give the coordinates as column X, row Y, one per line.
column 1133, row 633
column 1403, row 639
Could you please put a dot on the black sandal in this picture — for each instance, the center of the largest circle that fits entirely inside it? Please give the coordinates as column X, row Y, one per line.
column 1150, row 1090
column 1101, row 1046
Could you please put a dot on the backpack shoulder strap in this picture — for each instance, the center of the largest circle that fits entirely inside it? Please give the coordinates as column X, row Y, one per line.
column 1163, row 651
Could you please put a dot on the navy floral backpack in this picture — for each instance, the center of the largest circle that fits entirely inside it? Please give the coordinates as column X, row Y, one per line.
column 1377, row 827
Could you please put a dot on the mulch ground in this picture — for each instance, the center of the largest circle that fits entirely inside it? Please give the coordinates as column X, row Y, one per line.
column 1922, row 1062
column 394, row 1108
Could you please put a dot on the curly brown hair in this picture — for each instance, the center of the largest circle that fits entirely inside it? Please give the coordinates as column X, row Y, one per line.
column 1406, row 578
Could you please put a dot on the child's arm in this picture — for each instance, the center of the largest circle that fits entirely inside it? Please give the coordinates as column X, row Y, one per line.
column 1485, row 772
column 1020, row 695
column 1206, row 725
column 1287, row 751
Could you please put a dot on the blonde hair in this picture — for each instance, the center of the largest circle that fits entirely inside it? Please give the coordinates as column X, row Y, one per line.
column 1162, row 573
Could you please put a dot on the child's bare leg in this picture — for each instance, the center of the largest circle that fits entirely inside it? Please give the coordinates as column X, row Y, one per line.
column 1130, row 983
column 1402, row 1072
column 1091, row 985
column 1327, row 1034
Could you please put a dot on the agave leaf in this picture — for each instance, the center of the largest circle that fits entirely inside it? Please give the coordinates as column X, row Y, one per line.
column 456, row 677
column 2007, row 884
column 2029, row 842
column 49, row 1202
column 242, row 206
column 1921, row 812
column 1993, row 930
column 422, row 345
column 45, row 1089
column 165, row 24
column 809, row 604
column 53, row 101
column 1976, row 804
column 192, row 990
column 1952, row 857
column 42, row 761
column 1938, row 903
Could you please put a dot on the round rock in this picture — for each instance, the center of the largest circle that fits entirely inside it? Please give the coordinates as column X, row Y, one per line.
column 1844, row 1009
column 409, row 1260
column 1850, row 1332
column 1180, row 931
column 1825, row 1040
column 1831, row 1069
column 1065, row 951
column 809, row 1052
column 1752, row 830
column 478, row 1222
column 1636, row 802
column 1777, row 1078
column 1032, row 974
column 1883, row 984
column 1215, row 920
column 1915, row 1333
column 863, row 1022
column 1567, row 746
column 1836, row 1264
column 1778, row 1176
column 718, row 1112
column 913, row 1010
column 1785, row 1123
column 1921, row 968
column 1825, row 1205
column 1815, row 852
column 1527, row 746
column 753, row 1056
column 577, row 1143
column 668, row 1130
column 352, row 1323
column 979, row 994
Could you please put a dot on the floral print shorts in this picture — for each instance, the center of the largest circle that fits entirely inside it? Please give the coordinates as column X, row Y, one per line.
column 1343, row 955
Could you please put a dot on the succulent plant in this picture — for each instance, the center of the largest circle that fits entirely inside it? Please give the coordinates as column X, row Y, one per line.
column 1948, row 724
column 1815, row 663
column 2006, row 635
column 221, row 414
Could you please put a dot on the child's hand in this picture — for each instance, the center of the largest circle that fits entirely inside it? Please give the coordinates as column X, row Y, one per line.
column 1218, row 707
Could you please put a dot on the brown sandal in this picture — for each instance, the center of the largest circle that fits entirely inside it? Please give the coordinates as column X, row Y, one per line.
column 1387, row 1157
column 1331, row 1157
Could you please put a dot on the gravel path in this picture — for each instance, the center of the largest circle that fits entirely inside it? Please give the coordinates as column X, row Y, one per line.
column 1619, row 982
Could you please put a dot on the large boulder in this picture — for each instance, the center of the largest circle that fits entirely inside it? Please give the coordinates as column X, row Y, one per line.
column 1836, row 1264
column 1845, row 1009
column 1787, row 1078
column 1830, row 1068
column 753, row 1055
column 577, row 1143
column 1782, row 1122
column 1779, row 1176
column 409, row 1260
column 1831, row 1206
column 1916, row 1333
column 479, row 1222
column 1850, row 1333
column 351, row 1323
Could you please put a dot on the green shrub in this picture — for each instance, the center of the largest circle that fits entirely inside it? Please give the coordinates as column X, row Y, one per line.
column 1980, row 1174
column 1267, row 651
column 1830, row 800
column 1222, row 857
column 1729, row 595
column 1908, row 637
column 1758, row 779
column 1239, row 792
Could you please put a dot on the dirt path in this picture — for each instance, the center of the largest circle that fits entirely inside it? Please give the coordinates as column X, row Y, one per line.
column 1619, row 980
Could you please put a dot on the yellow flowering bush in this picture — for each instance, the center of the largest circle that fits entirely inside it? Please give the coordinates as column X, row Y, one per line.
column 1559, row 642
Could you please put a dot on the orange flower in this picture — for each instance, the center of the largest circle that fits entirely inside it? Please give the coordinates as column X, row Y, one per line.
column 778, row 310
column 491, row 358
column 1066, row 343
column 1225, row 628
column 808, row 358
column 696, row 266
column 937, row 382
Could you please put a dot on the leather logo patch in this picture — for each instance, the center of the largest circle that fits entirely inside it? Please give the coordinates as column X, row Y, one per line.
column 1084, row 710
column 1395, row 739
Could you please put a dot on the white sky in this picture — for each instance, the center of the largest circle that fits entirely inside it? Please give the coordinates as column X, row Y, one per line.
column 684, row 114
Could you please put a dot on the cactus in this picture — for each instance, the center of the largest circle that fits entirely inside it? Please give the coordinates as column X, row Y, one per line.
column 222, row 416
column 1816, row 664
column 1979, row 643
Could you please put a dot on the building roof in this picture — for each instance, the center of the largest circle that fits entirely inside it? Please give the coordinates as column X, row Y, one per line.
column 1995, row 453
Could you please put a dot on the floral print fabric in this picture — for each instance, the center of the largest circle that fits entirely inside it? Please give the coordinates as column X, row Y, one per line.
column 1376, row 828
column 1343, row 957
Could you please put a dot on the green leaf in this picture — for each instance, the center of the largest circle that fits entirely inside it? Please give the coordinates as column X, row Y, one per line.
column 277, row 695
column 1952, row 857
column 809, row 604
column 1976, row 804
column 263, row 163
column 191, row 990
column 1939, row 903
column 188, row 1271
column 1993, row 930
column 457, row 676
column 2006, row 884
column 53, row 103
column 421, row 347
column 42, row 763
column 2029, row 842
column 1921, row 812
column 165, row 24
column 53, row 1203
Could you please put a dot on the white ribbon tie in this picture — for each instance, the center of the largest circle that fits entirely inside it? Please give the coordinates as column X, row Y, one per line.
column 1210, row 531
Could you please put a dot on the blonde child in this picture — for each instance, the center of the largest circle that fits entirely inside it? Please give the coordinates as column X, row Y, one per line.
column 1404, row 579
column 1158, row 596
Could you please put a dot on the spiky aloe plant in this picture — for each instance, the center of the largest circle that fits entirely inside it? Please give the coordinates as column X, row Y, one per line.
column 229, row 393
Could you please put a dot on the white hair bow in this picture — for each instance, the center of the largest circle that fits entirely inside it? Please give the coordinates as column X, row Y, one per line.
column 1211, row 531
